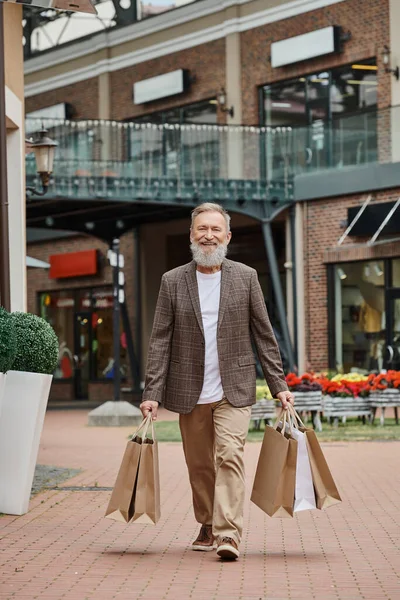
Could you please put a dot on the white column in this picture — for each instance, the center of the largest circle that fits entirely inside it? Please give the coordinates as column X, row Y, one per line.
column 301, row 312
column 233, row 74
column 289, row 279
column 16, row 199
column 394, row 20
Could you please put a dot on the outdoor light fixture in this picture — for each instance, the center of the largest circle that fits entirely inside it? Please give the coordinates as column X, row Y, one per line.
column 386, row 62
column 221, row 100
column 378, row 270
column 44, row 149
column 341, row 273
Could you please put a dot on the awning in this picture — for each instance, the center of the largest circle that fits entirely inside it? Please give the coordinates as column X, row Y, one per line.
column 38, row 264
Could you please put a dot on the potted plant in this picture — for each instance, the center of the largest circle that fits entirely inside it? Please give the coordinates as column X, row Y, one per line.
column 24, row 405
column 345, row 396
column 384, row 392
column 8, row 348
column 307, row 395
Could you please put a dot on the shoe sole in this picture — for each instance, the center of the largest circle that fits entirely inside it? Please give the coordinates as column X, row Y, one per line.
column 203, row 548
column 228, row 552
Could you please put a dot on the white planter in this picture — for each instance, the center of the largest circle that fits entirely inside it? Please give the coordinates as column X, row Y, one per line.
column 2, row 386
column 21, row 423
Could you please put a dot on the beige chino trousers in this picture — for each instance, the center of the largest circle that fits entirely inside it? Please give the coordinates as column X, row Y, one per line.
column 213, row 438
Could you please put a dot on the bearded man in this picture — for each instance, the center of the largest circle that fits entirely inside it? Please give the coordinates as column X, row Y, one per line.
column 201, row 365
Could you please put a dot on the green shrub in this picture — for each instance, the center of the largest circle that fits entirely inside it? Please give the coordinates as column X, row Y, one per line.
column 37, row 344
column 8, row 341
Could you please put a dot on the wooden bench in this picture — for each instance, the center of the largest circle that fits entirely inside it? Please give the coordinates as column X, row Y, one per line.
column 340, row 408
column 263, row 409
column 309, row 402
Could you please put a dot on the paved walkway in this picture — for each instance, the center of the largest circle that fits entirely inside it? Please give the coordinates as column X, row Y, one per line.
column 64, row 548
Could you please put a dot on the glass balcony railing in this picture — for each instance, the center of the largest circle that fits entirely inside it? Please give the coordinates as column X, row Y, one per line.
column 143, row 160
column 134, row 159
column 345, row 141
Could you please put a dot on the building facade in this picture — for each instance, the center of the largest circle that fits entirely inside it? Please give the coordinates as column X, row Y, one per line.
column 295, row 100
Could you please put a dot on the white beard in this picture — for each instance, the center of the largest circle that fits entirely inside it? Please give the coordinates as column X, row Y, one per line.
column 207, row 258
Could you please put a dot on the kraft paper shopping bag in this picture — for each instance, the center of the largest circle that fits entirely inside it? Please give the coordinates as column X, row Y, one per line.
column 121, row 504
column 146, row 506
column 326, row 492
column 274, row 482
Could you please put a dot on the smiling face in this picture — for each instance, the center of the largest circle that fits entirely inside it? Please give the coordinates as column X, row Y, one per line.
column 209, row 238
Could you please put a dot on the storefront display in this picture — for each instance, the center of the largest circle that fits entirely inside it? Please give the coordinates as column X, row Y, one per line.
column 83, row 322
column 367, row 316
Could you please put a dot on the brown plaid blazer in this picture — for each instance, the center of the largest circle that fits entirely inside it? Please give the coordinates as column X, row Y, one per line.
column 175, row 364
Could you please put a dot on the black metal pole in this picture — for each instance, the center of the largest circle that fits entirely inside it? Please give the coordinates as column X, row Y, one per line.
column 116, row 322
column 292, row 217
column 131, row 348
column 5, row 295
column 138, row 303
column 276, row 283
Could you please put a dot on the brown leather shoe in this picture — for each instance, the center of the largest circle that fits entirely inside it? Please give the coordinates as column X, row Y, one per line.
column 205, row 539
column 228, row 549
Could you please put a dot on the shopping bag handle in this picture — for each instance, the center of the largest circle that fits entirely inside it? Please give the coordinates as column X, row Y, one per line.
column 144, row 424
column 296, row 417
column 286, row 418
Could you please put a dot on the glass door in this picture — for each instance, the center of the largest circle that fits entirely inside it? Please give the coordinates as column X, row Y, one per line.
column 83, row 335
column 392, row 351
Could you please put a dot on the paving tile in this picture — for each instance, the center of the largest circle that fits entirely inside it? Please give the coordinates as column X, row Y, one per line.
column 64, row 549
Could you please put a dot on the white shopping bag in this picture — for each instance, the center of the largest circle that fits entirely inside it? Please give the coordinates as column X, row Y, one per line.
column 304, row 498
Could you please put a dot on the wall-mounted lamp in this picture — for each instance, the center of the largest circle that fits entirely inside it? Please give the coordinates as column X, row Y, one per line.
column 386, row 62
column 221, row 100
column 341, row 273
column 44, row 149
column 378, row 270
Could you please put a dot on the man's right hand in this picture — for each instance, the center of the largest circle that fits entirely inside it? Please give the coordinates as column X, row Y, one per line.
column 149, row 406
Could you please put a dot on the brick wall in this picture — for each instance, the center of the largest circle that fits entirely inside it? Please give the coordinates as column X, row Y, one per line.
column 84, row 97
column 367, row 21
column 206, row 64
column 322, row 231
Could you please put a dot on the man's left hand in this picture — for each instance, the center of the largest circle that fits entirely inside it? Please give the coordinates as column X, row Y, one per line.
column 285, row 398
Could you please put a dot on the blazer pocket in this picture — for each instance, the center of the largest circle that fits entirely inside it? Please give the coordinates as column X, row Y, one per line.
column 244, row 361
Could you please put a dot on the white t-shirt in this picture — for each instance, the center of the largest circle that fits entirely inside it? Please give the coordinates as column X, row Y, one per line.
column 209, row 293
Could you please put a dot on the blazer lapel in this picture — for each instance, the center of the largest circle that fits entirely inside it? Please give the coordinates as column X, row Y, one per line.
column 193, row 289
column 226, row 281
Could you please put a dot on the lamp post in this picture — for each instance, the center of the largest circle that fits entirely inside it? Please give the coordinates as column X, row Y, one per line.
column 44, row 150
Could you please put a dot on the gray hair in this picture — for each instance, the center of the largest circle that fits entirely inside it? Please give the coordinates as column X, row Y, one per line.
column 211, row 207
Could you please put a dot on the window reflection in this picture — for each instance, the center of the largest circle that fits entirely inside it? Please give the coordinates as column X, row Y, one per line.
column 174, row 152
column 323, row 119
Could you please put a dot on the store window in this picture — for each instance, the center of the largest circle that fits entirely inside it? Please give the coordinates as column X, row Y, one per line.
column 360, row 317
column 58, row 309
column 83, row 322
column 324, row 119
column 190, row 152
